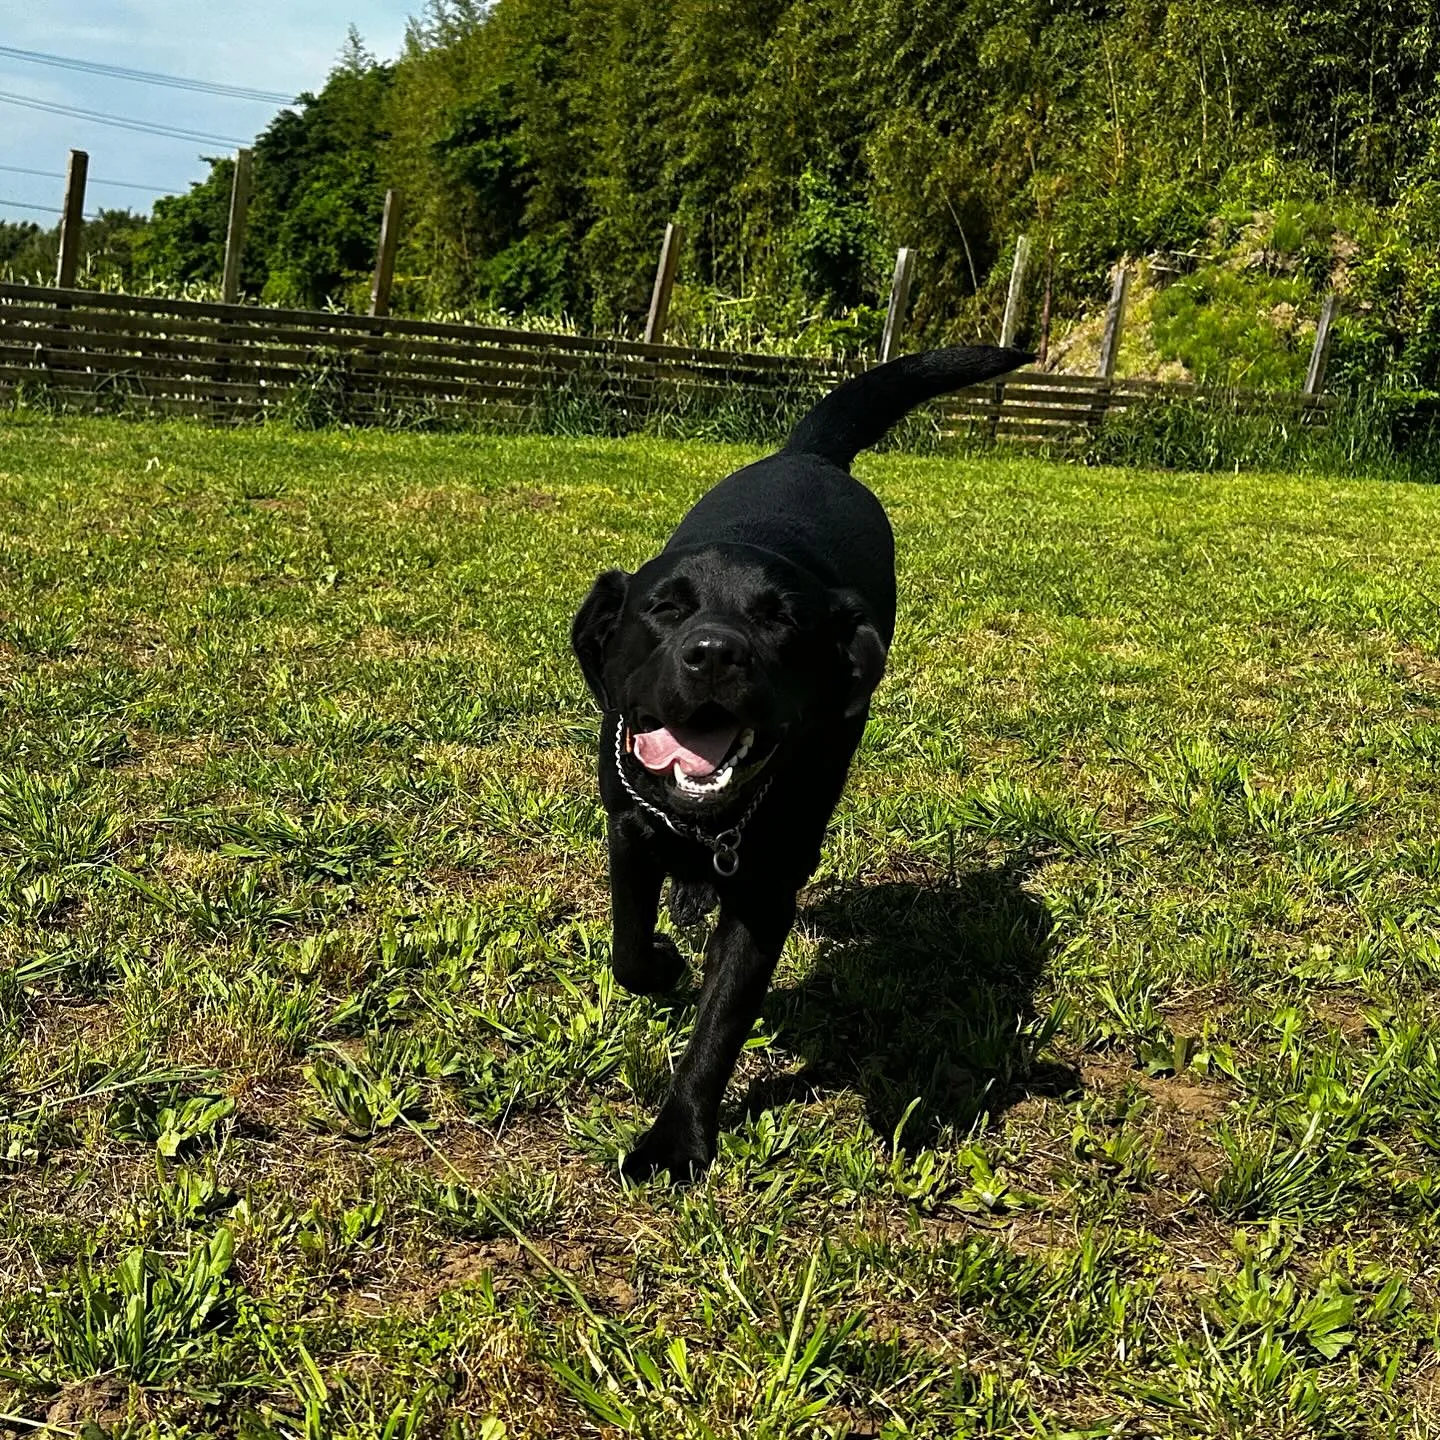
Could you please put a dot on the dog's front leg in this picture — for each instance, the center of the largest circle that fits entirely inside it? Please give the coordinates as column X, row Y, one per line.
column 739, row 961
column 644, row 961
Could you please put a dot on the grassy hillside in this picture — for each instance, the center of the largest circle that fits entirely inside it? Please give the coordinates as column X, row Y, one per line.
column 1097, row 1092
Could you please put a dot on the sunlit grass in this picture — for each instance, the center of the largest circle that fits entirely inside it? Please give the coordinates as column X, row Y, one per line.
column 1097, row 1093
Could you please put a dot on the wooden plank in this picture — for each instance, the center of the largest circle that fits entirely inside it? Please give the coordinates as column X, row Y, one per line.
column 1014, row 395
column 899, row 301
column 100, row 400
column 1071, row 404
column 1068, row 415
column 41, row 359
column 1074, row 416
column 72, row 220
column 455, row 410
column 235, row 229
column 1051, row 437
column 127, row 383
column 108, row 402
column 1080, row 401
column 1035, row 379
column 1035, row 427
column 1218, row 392
column 412, row 385
column 200, row 351
column 259, row 365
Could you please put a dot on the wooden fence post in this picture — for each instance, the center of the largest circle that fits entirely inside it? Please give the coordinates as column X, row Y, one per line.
column 899, row 300
column 1114, row 322
column 72, row 219
column 1110, row 345
column 1320, row 351
column 235, row 230
column 385, row 256
column 1042, row 356
column 664, row 284
column 1011, row 321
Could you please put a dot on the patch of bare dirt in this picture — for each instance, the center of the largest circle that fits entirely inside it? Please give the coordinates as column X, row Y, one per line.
column 531, row 499
column 1176, row 1093
column 1420, row 671
column 103, row 1402
column 1426, row 1391
column 600, row 1274
column 1345, row 1014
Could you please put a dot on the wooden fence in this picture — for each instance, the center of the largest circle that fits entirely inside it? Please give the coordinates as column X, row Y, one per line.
column 85, row 350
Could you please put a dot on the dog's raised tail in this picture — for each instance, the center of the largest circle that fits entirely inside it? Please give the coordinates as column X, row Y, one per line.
column 855, row 415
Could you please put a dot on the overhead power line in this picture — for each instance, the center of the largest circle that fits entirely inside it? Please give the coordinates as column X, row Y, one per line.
column 147, row 77
column 46, row 209
column 92, row 180
column 144, row 127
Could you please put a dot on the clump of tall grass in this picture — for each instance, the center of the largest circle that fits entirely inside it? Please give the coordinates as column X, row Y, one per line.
column 601, row 402
column 1381, row 435
column 105, row 278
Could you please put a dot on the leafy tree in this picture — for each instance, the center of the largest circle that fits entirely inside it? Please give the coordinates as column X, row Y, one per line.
column 109, row 245
column 541, row 145
column 316, row 202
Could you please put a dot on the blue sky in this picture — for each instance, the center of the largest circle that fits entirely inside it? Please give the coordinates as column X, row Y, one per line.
column 281, row 45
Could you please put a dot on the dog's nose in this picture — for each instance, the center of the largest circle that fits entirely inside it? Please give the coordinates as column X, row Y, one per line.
column 714, row 650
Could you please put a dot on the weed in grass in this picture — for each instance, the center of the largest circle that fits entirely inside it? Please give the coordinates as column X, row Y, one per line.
column 54, row 821
column 363, row 1102
column 148, row 1317
column 528, row 1201
column 173, row 1123
column 44, row 634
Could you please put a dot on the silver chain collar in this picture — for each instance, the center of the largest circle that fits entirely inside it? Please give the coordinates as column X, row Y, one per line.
column 724, row 848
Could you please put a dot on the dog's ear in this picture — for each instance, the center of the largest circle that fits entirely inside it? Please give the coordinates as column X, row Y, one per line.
column 861, row 645
column 593, row 626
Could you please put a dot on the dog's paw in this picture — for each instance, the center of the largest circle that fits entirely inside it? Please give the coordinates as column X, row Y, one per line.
column 691, row 901
column 675, row 1144
column 655, row 973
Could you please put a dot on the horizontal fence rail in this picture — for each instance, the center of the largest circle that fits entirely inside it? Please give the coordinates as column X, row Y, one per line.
column 84, row 350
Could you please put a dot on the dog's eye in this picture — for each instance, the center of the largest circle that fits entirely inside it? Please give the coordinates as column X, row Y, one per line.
column 773, row 611
column 665, row 610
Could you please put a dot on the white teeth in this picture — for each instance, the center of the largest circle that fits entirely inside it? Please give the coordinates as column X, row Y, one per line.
column 713, row 784
column 708, row 785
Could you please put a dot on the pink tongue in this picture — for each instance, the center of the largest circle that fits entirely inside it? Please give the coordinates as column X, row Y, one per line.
column 697, row 752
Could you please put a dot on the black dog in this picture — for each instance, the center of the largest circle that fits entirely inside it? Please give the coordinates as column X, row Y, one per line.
column 734, row 671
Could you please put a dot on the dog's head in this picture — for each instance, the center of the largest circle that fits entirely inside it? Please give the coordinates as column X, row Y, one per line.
column 719, row 659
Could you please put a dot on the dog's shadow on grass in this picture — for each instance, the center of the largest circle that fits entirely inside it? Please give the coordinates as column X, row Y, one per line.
column 921, row 990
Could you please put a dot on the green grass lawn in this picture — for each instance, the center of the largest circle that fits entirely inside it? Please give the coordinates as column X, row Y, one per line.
column 1098, row 1093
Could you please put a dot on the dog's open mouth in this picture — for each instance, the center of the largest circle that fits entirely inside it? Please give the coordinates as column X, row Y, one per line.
column 709, row 755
